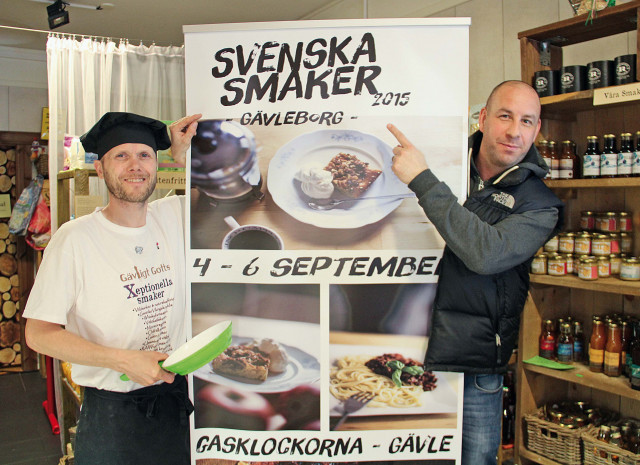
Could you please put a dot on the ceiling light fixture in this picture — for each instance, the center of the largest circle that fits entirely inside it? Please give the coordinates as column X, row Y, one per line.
column 58, row 16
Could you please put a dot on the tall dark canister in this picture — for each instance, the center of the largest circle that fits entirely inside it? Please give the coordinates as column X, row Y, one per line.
column 625, row 69
column 573, row 78
column 546, row 82
column 600, row 74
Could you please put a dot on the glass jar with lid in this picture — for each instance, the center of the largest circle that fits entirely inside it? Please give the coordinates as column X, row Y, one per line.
column 615, row 242
column 566, row 242
column 615, row 259
column 556, row 265
column 601, row 244
column 539, row 264
column 626, row 242
column 587, row 220
column 588, row 268
column 607, row 222
column 582, row 243
column 630, row 269
column 570, row 263
column 604, row 267
column 552, row 244
column 625, row 223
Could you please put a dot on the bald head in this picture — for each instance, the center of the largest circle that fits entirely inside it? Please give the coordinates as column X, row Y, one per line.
column 520, row 89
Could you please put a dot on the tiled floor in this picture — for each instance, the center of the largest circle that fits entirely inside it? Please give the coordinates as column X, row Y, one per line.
column 25, row 432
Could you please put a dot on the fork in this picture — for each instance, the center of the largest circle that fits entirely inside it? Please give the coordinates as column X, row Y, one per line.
column 353, row 404
column 330, row 204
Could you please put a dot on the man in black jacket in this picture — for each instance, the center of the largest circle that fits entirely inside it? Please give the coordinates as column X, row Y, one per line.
column 490, row 239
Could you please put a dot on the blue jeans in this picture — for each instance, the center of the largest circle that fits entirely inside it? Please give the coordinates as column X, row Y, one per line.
column 482, row 419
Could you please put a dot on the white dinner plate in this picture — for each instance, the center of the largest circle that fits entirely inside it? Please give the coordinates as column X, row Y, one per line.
column 443, row 399
column 303, row 368
column 318, row 148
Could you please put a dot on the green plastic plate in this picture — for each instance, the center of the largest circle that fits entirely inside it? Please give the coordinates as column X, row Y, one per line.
column 198, row 351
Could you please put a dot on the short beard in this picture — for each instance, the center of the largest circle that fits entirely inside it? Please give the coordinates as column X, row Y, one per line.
column 116, row 190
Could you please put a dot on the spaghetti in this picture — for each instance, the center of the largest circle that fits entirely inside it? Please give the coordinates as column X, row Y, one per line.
column 350, row 376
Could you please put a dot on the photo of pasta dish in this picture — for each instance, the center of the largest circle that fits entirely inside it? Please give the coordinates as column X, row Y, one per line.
column 395, row 380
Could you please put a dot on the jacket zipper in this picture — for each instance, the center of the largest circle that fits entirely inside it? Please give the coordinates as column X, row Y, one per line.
column 498, row 344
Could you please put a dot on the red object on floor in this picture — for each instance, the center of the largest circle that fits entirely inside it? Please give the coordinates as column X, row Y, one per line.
column 49, row 405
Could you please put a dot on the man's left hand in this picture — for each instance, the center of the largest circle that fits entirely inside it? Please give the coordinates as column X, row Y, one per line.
column 182, row 131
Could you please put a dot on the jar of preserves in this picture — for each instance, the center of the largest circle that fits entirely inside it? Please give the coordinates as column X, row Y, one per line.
column 609, row 157
column 547, row 340
column 556, row 265
column 591, row 159
column 601, row 244
column 539, row 264
column 604, row 267
column 565, row 344
column 552, row 244
column 570, row 263
column 587, row 221
column 566, row 242
column 582, row 243
column 607, row 222
column 626, row 242
column 625, row 155
column 615, row 260
column 630, row 269
column 597, row 345
column 613, row 350
column 615, row 242
column 625, row 224
column 604, row 433
column 588, row 268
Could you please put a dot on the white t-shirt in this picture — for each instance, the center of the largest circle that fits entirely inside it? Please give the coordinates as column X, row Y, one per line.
column 116, row 286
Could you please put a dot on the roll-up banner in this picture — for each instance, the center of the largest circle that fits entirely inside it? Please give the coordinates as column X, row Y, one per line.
column 301, row 236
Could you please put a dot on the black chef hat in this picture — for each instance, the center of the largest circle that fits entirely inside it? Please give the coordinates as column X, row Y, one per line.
column 115, row 128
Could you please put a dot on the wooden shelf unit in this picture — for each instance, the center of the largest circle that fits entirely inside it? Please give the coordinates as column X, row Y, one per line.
column 573, row 116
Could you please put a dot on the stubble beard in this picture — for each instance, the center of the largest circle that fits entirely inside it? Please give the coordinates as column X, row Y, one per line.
column 116, row 189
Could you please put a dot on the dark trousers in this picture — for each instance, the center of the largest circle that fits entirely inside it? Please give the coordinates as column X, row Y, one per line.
column 145, row 426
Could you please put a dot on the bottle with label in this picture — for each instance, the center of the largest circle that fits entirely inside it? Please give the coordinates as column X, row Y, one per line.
column 613, row 350
column 555, row 160
column 565, row 344
column 625, row 155
column 543, row 149
column 635, row 166
column 627, row 333
column 597, row 346
column 591, row 159
column 567, row 161
column 578, row 341
column 634, row 371
column 609, row 157
column 548, row 340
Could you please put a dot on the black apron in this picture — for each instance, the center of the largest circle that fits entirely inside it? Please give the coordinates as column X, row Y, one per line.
column 146, row 426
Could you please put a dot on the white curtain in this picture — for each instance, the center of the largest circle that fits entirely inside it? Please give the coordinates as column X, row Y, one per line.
column 91, row 76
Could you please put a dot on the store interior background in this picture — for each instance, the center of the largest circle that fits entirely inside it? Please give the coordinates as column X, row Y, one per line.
column 494, row 46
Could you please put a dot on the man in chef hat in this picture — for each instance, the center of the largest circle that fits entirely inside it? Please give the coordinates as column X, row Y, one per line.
column 109, row 297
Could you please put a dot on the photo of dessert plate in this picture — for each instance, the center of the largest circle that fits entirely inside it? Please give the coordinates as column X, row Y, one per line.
column 318, row 148
column 303, row 368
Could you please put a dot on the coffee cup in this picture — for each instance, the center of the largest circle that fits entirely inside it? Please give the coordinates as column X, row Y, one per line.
column 250, row 237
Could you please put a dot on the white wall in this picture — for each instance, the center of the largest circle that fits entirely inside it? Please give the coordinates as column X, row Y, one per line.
column 494, row 47
column 23, row 89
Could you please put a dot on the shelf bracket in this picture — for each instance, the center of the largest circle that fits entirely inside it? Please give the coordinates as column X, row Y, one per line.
column 545, row 54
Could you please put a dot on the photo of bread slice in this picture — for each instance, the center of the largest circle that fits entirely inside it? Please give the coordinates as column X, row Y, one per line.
column 243, row 362
column 351, row 176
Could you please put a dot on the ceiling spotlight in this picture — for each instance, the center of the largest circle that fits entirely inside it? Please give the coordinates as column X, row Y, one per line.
column 58, row 16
